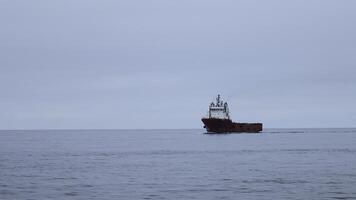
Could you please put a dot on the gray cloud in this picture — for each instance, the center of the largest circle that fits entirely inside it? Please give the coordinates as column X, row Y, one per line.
column 158, row 64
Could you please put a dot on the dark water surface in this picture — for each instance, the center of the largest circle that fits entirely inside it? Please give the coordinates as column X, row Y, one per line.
column 178, row 164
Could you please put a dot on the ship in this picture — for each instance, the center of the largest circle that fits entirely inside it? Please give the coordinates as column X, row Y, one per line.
column 218, row 120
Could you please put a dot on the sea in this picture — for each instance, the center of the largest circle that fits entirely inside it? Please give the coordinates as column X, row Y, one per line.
column 177, row 164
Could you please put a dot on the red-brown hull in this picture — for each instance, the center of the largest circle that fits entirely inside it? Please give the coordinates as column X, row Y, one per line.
column 213, row 125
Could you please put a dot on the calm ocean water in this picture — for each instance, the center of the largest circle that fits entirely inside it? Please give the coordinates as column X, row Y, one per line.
column 178, row 164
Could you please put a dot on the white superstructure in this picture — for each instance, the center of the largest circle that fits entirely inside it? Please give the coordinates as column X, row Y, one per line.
column 219, row 110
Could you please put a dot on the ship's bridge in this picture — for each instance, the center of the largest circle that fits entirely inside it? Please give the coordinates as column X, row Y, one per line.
column 219, row 109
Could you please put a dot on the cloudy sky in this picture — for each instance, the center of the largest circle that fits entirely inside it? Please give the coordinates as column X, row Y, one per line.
column 158, row 64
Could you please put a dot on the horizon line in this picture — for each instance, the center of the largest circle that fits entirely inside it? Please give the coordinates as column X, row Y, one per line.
column 128, row 129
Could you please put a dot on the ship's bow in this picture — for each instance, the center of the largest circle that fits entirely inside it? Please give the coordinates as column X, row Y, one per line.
column 217, row 125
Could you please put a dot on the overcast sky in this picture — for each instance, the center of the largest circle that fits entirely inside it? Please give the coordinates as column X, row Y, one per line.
column 159, row 63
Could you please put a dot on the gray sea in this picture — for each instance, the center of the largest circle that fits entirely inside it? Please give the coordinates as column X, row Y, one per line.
column 177, row 164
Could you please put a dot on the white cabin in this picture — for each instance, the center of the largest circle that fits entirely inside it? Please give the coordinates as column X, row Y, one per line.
column 219, row 110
